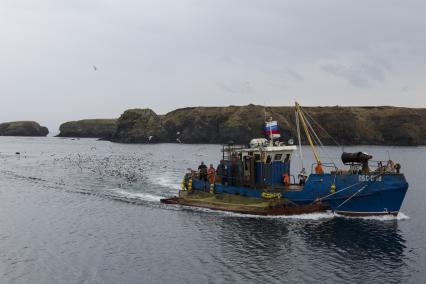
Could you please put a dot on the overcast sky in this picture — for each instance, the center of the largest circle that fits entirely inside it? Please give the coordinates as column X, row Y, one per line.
column 165, row 54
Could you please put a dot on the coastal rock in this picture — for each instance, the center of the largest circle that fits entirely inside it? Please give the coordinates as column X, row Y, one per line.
column 89, row 128
column 344, row 125
column 139, row 126
column 22, row 128
column 214, row 124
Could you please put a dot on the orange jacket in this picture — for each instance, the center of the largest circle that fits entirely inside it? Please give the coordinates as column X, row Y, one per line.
column 286, row 179
column 211, row 172
column 319, row 170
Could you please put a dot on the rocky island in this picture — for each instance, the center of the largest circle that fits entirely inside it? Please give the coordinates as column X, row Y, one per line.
column 88, row 128
column 22, row 128
column 347, row 125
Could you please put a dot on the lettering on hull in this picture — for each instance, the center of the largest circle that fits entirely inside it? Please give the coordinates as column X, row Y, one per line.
column 363, row 178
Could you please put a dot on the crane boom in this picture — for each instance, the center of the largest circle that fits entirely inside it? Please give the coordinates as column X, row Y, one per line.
column 308, row 135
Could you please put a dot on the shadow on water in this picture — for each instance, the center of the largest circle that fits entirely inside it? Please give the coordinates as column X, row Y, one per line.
column 364, row 249
column 358, row 237
column 252, row 247
column 280, row 248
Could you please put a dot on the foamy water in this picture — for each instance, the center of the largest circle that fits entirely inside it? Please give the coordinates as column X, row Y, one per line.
column 137, row 195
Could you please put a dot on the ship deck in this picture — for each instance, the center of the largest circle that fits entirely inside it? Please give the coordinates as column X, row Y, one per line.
column 241, row 204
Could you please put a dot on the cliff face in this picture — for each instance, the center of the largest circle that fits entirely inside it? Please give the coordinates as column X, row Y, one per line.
column 214, row 124
column 22, row 128
column 347, row 125
column 139, row 126
column 89, row 128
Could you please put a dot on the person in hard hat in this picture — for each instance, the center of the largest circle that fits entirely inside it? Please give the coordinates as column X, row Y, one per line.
column 318, row 169
column 211, row 173
column 202, row 169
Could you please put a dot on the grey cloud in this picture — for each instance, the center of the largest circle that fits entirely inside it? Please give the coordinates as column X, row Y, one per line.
column 295, row 75
column 225, row 87
column 359, row 76
column 226, row 59
column 162, row 54
column 236, row 88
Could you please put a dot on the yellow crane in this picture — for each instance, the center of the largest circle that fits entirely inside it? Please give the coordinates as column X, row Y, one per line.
column 308, row 135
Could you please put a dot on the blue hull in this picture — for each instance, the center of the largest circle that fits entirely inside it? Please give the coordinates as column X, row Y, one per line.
column 354, row 194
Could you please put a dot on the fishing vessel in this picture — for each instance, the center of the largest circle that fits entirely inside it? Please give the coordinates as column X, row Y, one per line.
column 257, row 179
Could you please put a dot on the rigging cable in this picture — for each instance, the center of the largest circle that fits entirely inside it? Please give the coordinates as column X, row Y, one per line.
column 346, row 188
column 318, row 140
column 299, row 139
column 356, row 193
column 325, row 131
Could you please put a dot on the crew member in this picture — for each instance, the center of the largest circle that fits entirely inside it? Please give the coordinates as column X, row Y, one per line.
column 211, row 174
column 390, row 166
column 286, row 179
column 222, row 173
column 202, row 170
column 318, row 169
column 302, row 177
column 397, row 168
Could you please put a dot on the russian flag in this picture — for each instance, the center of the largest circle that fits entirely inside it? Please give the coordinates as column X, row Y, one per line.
column 272, row 128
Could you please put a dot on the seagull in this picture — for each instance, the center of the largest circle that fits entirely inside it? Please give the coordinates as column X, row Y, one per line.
column 95, row 68
column 150, row 137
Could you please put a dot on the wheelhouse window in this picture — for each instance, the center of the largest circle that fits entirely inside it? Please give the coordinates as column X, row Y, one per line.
column 268, row 159
column 278, row 157
column 287, row 158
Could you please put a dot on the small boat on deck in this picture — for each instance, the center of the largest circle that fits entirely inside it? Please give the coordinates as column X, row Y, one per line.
column 257, row 180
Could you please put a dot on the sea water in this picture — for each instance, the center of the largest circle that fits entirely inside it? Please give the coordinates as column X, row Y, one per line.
column 87, row 211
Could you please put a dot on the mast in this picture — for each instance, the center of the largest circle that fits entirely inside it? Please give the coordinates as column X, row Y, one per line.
column 270, row 132
column 271, row 142
column 308, row 135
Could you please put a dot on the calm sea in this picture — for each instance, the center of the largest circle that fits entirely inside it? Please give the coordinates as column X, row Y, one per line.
column 87, row 211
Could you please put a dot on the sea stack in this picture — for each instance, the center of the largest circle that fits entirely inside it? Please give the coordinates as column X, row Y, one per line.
column 139, row 126
column 22, row 128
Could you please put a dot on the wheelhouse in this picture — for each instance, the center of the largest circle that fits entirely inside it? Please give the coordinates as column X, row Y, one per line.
column 261, row 165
